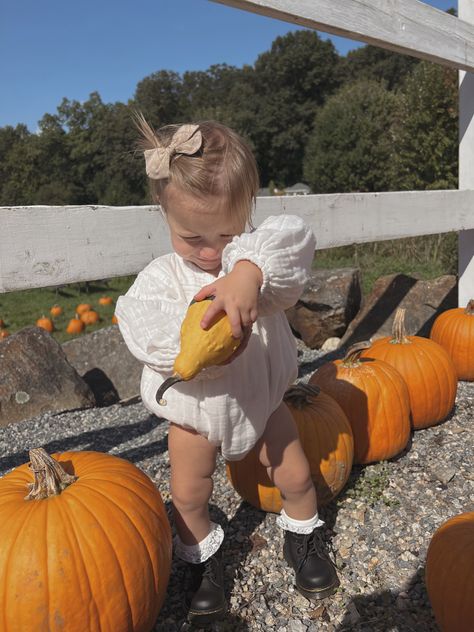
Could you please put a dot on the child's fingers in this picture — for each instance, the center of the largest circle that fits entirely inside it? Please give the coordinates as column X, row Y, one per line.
column 210, row 313
column 204, row 292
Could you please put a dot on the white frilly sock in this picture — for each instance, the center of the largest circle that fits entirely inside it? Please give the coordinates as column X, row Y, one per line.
column 298, row 526
column 202, row 551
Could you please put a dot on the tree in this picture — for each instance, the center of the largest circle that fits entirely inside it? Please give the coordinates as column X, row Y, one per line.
column 350, row 146
column 160, row 97
column 377, row 64
column 425, row 133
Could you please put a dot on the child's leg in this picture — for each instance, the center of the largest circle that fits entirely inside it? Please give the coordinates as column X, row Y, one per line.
column 304, row 549
column 198, row 541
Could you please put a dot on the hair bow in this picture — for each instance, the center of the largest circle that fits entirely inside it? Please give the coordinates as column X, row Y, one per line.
column 186, row 140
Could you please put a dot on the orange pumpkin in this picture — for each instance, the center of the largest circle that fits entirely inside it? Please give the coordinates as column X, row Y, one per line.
column 89, row 548
column 427, row 369
column 326, row 437
column 454, row 330
column 374, row 397
column 75, row 326
column 2, row 323
column 106, row 300
column 3, row 333
column 449, row 573
column 83, row 307
column 56, row 310
column 114, row 320
column 45, row 323
column 90, row 317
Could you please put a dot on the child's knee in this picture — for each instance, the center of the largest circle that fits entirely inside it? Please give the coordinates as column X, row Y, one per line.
column 295, row 480
column 190, row 494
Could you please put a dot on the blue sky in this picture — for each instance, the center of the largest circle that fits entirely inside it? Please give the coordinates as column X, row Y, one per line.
column 50, row 49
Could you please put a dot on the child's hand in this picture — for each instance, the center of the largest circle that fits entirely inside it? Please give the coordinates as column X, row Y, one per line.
column 236, row 294
column 246, row 333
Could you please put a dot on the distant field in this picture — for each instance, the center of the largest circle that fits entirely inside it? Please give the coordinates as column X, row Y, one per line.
column 422, row 257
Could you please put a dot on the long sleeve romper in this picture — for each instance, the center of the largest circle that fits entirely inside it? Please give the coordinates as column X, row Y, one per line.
column 229, row 404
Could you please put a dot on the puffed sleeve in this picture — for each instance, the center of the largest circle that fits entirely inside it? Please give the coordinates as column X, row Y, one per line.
column 283, row 248
column 150, row 316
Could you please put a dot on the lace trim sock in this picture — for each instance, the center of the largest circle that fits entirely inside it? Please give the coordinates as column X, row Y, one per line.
column 202, row 551
column 298, row 526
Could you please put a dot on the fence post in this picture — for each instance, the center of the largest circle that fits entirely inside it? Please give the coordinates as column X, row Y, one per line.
column 466, row 166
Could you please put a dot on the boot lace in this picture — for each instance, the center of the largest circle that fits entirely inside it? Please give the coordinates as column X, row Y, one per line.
column 209, row 570
column 309, row 544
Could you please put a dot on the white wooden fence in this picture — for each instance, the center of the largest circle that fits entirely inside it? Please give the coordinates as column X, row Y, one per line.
column 48, row 245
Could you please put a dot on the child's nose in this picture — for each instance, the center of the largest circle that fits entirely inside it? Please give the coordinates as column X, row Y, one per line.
column 209, row 252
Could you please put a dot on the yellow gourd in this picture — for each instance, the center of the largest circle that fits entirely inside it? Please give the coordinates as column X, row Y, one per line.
column 200, row 348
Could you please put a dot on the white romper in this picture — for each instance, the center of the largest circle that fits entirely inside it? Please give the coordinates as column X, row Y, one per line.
column 229, row 404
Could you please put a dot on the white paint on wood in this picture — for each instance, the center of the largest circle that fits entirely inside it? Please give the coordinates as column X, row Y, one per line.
column 44, row 246
column 466, row 171
column 405, row 26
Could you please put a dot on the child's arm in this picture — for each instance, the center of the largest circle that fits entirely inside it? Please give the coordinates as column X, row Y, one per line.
column 266, row 271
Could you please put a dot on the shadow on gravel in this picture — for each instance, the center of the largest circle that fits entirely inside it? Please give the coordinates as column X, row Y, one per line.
column 391, row 611
column 238, row 544
column 102, row 440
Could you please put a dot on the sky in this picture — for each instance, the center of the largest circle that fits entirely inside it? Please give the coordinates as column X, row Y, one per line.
column 51, row 49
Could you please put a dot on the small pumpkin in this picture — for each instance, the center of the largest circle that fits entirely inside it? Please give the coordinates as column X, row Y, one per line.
column 374, row 397
column 90, row 317
column 3, row 333
column 2, row 323
column 106, row 300
column 45, row 323
column 83, row 307
column 56, row 310
column 88, row 548
column 326, row 438
column 454, row 331
column 114, row 320
column 449, row 573
column 200, row 348
column 75, row 325
column 428, row 371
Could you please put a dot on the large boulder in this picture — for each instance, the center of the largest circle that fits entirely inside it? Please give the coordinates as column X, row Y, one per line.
column 35, row 377
column 105, row 364
column 330, row 300
column 423, row 301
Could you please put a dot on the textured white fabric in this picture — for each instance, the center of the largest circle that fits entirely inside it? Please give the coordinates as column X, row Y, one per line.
column 298, row 526
column 229, row 404
column 202, row 551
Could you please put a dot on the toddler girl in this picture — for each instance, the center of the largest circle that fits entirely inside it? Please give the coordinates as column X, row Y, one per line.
column 205, row 179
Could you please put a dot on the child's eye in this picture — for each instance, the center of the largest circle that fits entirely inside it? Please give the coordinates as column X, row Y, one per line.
column 195, row 238
column 228, row 236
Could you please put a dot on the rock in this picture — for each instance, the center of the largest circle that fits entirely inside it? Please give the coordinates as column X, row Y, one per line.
column 35, row 377
column 423, row 301
column 329, row 302
column 105, row 364
column 331, row 344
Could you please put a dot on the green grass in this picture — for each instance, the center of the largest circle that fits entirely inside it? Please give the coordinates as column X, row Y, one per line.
column 22, row 309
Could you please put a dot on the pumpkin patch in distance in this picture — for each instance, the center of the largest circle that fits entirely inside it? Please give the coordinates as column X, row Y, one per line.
column 90, row 317
column 454, row 331
column 89, row 547
column 56, row 310
column 45, row 323
column 4, row 333
column 83, row 307
column 106, row 300
column 75, row 326
column 326, row 437
column 374, row 397
column 427, row 369
column 449, row 573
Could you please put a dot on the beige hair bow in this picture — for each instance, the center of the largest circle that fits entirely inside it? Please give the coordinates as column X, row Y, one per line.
column 186, row 140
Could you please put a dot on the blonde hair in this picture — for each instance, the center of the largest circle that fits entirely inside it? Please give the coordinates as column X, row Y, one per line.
column 223, row 166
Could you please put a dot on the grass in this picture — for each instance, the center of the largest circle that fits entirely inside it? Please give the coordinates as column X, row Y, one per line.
column 22, row 309
column 420, row 257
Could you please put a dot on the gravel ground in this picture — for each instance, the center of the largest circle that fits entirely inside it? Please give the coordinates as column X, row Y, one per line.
column 379, row 527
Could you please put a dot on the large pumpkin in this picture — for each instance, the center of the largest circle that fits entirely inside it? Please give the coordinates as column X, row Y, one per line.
column 89, row 548
column 374, row 397
column 427, row 369
column 450, row 574
column 326, row 437
column 454, row 330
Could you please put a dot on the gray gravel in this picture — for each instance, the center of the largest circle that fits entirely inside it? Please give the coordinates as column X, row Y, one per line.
column 379, row 527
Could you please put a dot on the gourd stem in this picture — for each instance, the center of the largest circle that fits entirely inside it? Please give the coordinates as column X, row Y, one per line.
column 470, row 308
column 300, row 395
column 50, row 478
column 351, row 359
column 165, row 386
column 398, row 328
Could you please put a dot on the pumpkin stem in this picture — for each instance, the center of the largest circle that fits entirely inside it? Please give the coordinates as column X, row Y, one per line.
column 351, row 359
column 300, row 395
column 165, row 386
column 50, row 477
column 398, row 328
column 470, row 308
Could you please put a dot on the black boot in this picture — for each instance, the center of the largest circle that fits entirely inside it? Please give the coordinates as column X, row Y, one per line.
column 205, row 596
column 315, row 574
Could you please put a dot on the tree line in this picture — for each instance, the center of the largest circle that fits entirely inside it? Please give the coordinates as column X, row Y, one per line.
column 372, row 120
